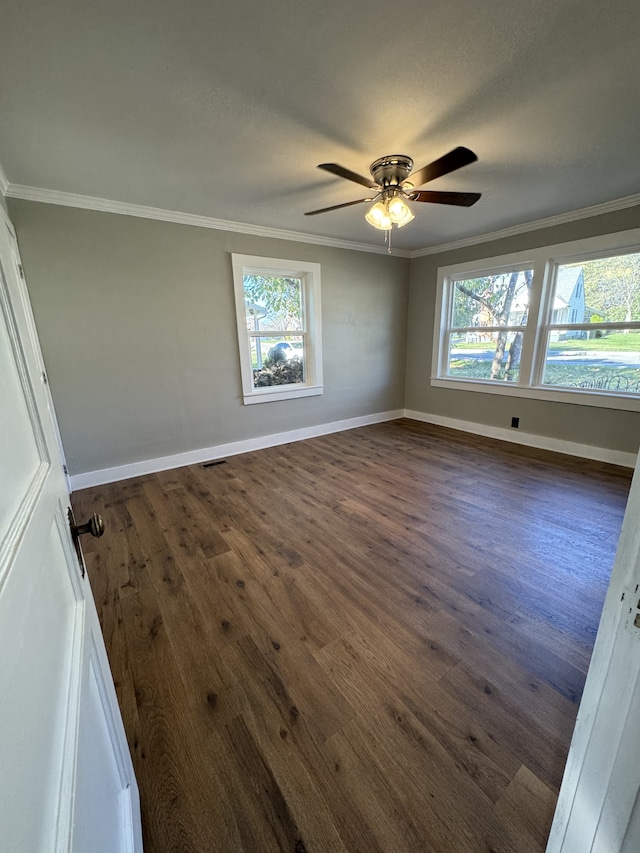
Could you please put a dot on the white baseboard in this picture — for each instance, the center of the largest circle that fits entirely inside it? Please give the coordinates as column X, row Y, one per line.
column 220, row 451
column 204, row 454
column 543, row 442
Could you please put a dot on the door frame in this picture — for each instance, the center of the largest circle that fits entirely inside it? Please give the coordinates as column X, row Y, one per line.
column 601, row 781
column 45, row 503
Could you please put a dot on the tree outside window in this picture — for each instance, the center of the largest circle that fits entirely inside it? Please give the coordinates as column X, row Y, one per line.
column 489, row 316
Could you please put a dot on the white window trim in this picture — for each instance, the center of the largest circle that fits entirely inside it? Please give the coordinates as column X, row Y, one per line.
column 543, row 262
column 309, row 274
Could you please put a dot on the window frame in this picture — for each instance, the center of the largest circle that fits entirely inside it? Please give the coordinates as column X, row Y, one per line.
column 309, row 275
column 544, row 262
column 451, row 329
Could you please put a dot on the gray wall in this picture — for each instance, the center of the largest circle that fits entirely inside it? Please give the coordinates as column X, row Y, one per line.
column 137, row 324
column 609, row 428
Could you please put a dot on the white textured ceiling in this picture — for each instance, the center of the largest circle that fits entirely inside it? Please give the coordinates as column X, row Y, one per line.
column 224, row 109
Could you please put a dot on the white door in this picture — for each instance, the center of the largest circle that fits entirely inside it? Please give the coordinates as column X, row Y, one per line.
column 599, row 804
column 66, row 778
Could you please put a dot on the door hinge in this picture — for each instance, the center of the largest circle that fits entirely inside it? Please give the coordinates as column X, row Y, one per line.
column 21, row 270
column 65, row 469
column 632, row 622
column 44, row 378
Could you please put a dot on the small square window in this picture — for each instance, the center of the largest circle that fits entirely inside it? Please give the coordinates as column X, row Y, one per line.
column 278, row 313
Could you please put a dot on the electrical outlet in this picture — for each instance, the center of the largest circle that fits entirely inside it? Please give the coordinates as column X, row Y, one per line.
column 515, row 423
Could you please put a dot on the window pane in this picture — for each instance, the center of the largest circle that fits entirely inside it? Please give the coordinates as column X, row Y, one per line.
column 485, row 356
column 599, row 360
column 606, row 290
column 277, row 361
column 272, row 303
column 501, row 299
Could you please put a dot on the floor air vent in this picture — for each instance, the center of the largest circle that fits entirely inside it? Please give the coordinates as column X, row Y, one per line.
column 214, row 462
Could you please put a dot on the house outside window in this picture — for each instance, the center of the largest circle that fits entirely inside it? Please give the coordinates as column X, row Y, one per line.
column 558, row 323
column 279, row 328
column 595, row 345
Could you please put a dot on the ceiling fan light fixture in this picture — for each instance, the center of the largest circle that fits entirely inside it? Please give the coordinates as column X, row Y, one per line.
column 387, row 212
column 378, row 216
column 399, row 211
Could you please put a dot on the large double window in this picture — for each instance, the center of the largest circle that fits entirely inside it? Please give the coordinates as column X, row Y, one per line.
column 278, row 315
column 557, row 323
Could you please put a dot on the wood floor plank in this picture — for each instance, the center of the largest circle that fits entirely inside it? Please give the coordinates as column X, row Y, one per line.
column 368, row 677
column 480, row 635
column 289, row 657
column 519, row 733
column 172, row 762
column 273, row 799
column 434, row 659
column 556, row 600
column 398, row 740
column 367, row 642
column 283, row 730
column 362, row 774
column 207, row 687
column 529, row 804
column 535, row 628
column 280, row 593
column 551, row 707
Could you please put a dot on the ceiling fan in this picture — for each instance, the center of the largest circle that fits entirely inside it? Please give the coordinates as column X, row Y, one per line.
column 395, row 184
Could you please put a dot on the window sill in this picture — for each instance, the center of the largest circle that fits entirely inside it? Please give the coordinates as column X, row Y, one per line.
column 271, row 394
column 577, row 396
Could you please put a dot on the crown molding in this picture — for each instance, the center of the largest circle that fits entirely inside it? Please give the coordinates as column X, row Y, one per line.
column 105, row 205
column 535, row 225
column 4, row 183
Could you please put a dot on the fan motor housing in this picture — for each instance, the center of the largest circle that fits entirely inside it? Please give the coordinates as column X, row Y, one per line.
column 391, row 170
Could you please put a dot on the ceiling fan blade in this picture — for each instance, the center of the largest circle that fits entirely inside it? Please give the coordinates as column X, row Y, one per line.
column 461, row 199
column 337, row 206
column 341, row 172
column 455, row 159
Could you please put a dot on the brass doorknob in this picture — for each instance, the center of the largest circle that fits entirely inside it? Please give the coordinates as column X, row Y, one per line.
column 95, row 526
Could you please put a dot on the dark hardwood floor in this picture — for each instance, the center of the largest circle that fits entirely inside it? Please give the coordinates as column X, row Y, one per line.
column 370, row 641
